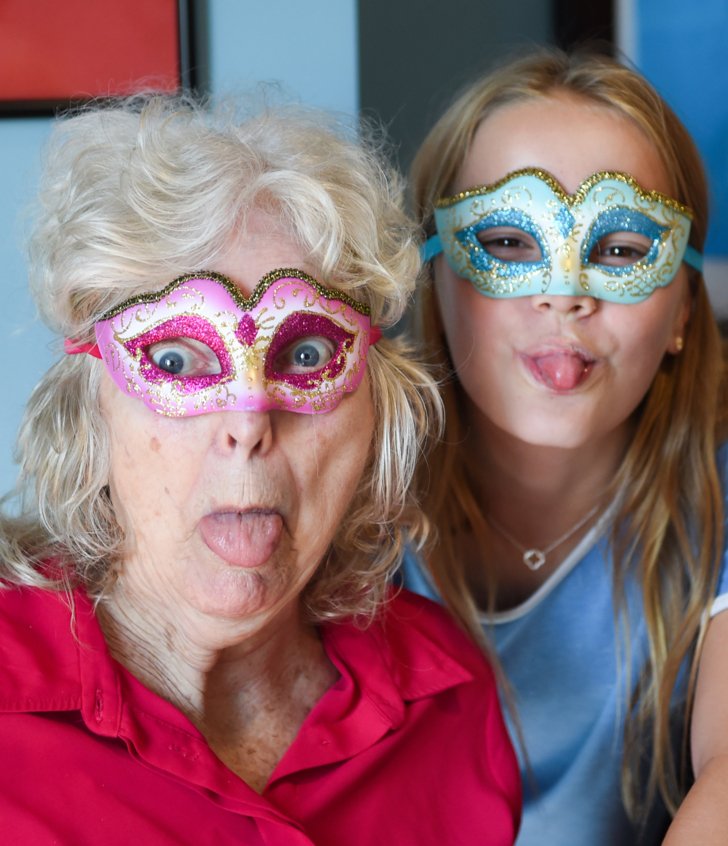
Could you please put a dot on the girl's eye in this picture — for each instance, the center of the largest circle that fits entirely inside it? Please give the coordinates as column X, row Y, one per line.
column 509, row 244
column 620, row 249
column 184, row 357
column 305, row 355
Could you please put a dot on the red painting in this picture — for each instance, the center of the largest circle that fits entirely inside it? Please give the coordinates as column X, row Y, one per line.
column 53, row 52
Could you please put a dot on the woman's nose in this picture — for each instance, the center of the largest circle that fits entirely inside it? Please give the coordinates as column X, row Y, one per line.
column 250, row 432
column 577, row 307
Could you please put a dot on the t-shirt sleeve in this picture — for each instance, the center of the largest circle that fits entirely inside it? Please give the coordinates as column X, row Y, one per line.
column 414, row 576
column 720, row 603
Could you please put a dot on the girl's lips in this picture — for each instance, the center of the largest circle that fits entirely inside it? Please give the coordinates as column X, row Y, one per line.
column 242, row 538
column 560, row 369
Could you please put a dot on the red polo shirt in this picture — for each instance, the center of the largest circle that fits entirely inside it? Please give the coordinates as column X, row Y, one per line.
column 407, row 747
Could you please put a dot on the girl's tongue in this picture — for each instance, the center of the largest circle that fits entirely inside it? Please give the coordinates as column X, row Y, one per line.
column 562, row 371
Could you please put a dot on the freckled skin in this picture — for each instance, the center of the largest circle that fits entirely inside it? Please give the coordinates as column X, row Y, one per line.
column 304, row 467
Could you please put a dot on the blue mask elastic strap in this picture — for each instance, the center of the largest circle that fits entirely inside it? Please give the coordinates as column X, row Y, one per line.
column 693, row 258
column 431, row 248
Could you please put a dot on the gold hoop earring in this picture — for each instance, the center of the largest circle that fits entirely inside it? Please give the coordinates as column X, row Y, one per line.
column 679, row 343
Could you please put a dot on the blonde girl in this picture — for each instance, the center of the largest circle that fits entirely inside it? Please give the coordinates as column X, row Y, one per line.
column 577, row 492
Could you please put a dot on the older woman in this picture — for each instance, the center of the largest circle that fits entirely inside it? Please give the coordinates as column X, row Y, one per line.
column 194, row 641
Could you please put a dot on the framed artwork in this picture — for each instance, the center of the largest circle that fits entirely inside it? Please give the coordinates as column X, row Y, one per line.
column 56, row 54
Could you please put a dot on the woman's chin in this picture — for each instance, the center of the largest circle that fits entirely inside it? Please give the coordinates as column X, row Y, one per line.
column 237, row 595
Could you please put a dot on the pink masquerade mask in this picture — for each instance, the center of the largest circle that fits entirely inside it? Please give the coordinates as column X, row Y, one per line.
column 199, row 345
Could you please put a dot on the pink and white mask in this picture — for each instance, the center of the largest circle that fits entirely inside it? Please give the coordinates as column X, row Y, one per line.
column 199, row 345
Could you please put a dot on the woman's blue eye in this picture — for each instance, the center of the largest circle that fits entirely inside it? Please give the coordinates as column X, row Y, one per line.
column 306, row 354
column 184, row 357
column 171, row 361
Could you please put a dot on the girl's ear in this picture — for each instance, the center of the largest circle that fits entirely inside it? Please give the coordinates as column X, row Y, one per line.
column 681, row 321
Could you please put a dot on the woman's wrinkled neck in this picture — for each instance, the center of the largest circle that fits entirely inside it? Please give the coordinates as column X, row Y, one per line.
column 246, row 687
column 181, row 655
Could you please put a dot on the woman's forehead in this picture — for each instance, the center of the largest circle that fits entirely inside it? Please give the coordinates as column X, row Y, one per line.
column 262, row 243
column 566, row 135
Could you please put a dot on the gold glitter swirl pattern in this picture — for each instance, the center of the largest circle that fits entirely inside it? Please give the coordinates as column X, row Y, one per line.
column 245, row 340
column 245, row 303
column 561, row 233
column 649, row 197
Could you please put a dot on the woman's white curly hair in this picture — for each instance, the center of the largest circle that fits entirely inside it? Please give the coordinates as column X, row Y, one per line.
column 137, row 193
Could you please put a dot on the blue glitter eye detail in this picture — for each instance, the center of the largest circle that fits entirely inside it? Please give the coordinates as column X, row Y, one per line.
column 564, row 220
column 519, row 226
column 646, row 238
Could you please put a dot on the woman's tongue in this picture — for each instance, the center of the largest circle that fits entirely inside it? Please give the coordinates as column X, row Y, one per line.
column 243, row 539
column 562, row 371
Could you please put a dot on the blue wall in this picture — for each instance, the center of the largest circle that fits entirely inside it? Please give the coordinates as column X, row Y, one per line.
column 680, row 48
column 24, row 343
column 309, row 48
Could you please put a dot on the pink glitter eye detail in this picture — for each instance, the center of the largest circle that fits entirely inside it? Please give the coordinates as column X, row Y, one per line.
column 184, row 357
column 306, row 349
column 305, row 355
column 185, row 349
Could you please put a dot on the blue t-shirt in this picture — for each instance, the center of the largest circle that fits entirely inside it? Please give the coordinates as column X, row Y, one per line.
column 566, row 663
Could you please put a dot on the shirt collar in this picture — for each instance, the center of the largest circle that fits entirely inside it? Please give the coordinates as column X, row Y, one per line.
column 55, row 658
column 396, row 660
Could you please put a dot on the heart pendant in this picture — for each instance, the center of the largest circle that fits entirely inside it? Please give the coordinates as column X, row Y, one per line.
column 534, row 559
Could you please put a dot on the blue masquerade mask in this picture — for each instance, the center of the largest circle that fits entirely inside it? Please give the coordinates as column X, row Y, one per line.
column 525, row 235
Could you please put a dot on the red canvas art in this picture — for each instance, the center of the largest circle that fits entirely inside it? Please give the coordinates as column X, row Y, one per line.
column 53, row 53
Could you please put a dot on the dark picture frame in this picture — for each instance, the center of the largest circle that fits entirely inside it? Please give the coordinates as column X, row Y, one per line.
column 54, row 56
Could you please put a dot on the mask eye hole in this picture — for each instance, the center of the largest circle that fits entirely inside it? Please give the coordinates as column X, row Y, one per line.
column 510, row 244
column 305, row 355
column 307, row 348
column 187, row 349
column 621, row 237
column 184, row 357
column 620, row 249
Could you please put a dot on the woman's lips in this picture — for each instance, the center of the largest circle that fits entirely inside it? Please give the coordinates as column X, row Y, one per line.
column 242, row 538
column 560, row 370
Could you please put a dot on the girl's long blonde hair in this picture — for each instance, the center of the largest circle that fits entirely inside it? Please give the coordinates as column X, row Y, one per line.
column 668, row 530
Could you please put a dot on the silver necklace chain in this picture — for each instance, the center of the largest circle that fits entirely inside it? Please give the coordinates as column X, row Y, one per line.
column 533, row 557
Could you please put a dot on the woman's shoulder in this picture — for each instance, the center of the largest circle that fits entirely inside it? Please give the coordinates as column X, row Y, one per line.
column 38, row 647
column 432, row 657
column 415, row 643
column 420, row 632
column 31, row 609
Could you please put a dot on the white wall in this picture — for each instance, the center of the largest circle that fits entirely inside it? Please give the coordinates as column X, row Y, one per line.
column 309, row 48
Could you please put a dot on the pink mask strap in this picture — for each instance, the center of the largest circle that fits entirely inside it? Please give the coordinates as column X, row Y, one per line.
column 375, row 333
column 73, row 347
